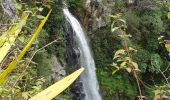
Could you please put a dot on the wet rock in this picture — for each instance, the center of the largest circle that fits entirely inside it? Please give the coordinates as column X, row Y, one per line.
column 72, row 59
column 58, row 71
column 72, row 52
column 77, row 91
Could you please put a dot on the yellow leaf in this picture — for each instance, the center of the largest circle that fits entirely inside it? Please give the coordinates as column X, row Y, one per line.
column 8, row 38
column 58, row 87
column 168, row 15
column 13, row 64
column 118, row 53
column 123, row 64
column 114, row 29
column 116, row 16
column 129, row 70
column 132, row 49
column 167, row 47
column 135, row 65
column 114, row 71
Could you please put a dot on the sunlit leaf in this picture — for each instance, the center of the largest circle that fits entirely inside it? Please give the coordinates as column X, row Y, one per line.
column 167, row 46
column 129, row 70
column 132, row 49
column 125, row 36
column 122, row 20
column 116, row 16
column 123, row 64
column 117, row 54
column 22, row 38
column 40, row 17
column 115, row 65
column 168, row 15
column 8, row 38
column 13, row 64
column 135, row 65
column 18, row 6
column 48, row 6
column 40, row 9
column 114, row 71
column 58, row 87
column 115, row 28
column 159, row 38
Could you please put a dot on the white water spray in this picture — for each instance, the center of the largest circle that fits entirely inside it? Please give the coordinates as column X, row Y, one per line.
column 88, row 78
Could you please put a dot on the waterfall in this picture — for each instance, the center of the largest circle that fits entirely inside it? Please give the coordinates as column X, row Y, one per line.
column 88, row 78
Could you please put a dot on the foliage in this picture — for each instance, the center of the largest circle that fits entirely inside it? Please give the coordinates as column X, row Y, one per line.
column 54, row 28
column 58, row 87
column 13, row 64
column 23, row 88
column 102, row 46
column 123, row 61
column 25, row 80
column 144, row 20
column 8, row 38
column 156, row 63
column 119, row 6
column 119, row 86
column 158, row 91
column 75, row 3
column 122, row 57
column 142, row 57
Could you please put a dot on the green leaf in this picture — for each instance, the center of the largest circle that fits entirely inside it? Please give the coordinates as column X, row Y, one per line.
column 115, row 28
column 157, row 92
column 168, row 15
column 18, row 6
column 22, row 38
column 40, row 17
column 114, row 71
column 48, row 6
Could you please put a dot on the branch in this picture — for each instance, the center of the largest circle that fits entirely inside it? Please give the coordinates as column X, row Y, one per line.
column 166, row 68
column 21, row 75
column 164, row 76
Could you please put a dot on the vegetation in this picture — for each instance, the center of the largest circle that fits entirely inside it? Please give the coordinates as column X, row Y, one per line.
column 131, row 52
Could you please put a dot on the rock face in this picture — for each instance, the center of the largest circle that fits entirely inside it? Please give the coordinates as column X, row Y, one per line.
column 96, row 15
column 58, row 71
column 7, row 13
column 72, row 59
column 9, row 8
column 72, row 52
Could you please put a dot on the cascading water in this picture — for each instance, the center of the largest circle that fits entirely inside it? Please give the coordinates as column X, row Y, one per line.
column 88, row 78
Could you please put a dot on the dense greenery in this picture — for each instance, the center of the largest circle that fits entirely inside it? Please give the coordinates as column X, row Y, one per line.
column 145, row 25
column 146, row 69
